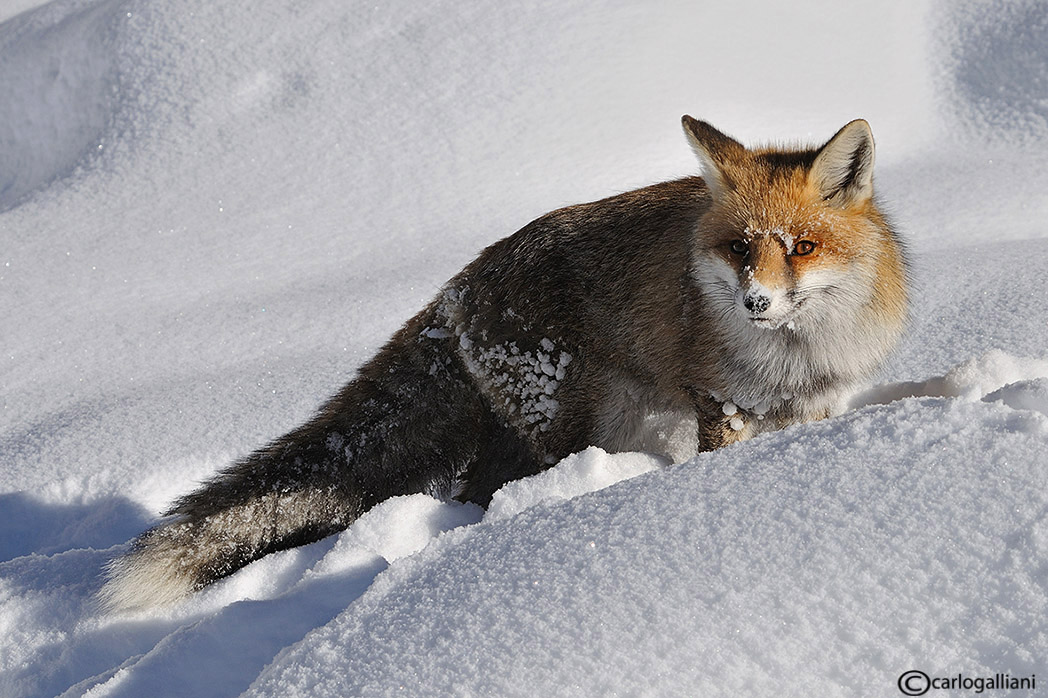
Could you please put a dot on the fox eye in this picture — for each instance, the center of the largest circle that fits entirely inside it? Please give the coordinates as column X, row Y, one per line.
column 739, row 247
column 804, row 247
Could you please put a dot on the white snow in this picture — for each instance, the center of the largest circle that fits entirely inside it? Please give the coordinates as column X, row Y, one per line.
column 212, row 213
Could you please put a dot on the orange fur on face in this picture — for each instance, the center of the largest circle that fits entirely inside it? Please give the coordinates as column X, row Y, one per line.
column 770, row 202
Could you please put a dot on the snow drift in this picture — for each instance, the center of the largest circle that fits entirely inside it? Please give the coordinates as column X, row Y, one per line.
column 211, row 214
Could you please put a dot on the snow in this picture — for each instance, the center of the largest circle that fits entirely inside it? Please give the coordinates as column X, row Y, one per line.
column 523, row 381
column 212, row 213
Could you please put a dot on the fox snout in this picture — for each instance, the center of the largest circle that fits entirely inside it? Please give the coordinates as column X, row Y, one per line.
column 756, row 303
column 763, row 305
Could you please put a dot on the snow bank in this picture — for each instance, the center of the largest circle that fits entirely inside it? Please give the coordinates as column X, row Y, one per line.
column 972, row 380
column 54, row 79
column 821, row 563
column 579, row 473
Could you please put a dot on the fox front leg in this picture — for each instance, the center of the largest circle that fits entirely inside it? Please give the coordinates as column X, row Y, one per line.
column 719, row 423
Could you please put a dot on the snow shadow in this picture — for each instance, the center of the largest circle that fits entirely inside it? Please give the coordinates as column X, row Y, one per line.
column 1020, row 383
column 222, row 654
column 56, row 81
column 997, row 65
column 32, row 526
column 217, row 641
column 214, row 644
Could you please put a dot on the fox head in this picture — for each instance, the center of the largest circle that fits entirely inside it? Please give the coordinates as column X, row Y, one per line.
column 792, row 238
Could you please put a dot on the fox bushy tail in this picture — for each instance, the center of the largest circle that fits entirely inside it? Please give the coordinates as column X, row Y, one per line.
column 412, row 421
column 274, row 499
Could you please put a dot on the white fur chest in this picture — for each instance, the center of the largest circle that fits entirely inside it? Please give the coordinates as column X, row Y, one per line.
column 799, row 372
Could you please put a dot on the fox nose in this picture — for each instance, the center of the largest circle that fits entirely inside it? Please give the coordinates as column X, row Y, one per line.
column 756, row 303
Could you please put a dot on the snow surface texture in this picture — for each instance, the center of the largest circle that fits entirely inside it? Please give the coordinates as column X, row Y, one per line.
column 211, row 213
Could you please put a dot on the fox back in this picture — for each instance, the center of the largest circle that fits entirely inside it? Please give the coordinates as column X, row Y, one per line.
column 679, row 317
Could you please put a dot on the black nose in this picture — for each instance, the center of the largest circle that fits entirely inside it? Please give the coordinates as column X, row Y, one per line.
column 756, row 304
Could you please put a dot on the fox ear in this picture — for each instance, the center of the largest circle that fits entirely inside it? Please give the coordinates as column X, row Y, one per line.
column 714, row 150
column 843, row 169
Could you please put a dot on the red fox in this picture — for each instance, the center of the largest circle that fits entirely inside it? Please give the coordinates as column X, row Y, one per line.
column 751, row 299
